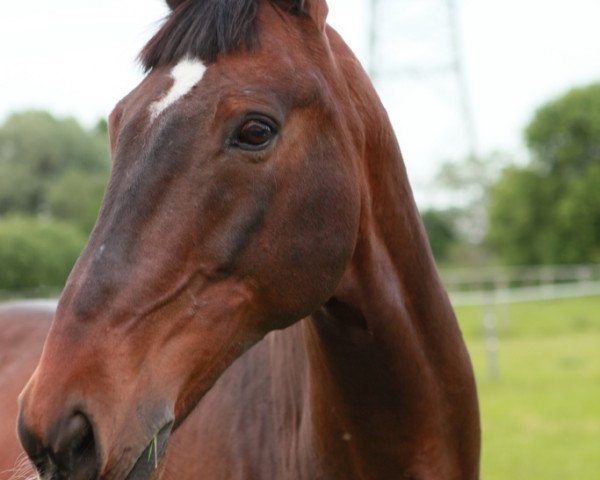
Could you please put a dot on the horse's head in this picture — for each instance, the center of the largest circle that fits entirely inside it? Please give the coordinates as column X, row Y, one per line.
column 232, row 210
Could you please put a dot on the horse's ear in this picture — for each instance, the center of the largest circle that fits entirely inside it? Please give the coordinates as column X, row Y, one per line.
column 317, row 10
column 173, row 4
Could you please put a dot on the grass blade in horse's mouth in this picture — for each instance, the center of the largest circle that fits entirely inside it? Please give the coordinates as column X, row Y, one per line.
column 148, row 462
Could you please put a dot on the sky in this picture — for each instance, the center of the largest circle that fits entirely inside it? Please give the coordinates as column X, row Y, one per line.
column 78, row 58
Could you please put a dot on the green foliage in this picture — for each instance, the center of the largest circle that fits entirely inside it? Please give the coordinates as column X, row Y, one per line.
column 519, row 217
column 441, row 232
column 52, row 178
column 467, row 183
column 549, row 211
column 564, row 135
column 578, row 215
column 36, row 150
column 35, row 253
column 75, row 197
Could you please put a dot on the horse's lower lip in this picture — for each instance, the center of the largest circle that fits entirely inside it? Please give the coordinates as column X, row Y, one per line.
column 147, row 463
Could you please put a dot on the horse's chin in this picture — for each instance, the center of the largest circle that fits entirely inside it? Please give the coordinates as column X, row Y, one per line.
column 149, row 464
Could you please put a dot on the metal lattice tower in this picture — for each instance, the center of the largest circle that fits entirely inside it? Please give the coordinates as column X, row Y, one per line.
column 415, row 50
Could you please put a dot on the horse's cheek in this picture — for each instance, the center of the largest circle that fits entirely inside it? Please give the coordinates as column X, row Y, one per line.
column 304, row 264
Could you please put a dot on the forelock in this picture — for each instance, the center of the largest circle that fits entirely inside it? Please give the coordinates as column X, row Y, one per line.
column 204, row 29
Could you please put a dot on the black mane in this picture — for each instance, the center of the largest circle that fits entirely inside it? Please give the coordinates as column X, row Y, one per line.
column 205, row 28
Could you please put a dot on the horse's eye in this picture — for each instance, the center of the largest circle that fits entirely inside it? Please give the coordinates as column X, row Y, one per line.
column 254, row 134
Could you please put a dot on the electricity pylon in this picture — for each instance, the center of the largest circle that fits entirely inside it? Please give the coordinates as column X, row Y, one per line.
column 419, row 40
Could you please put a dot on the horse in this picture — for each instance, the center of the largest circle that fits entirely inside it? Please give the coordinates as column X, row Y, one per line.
column 258, row 278
column 23, row 329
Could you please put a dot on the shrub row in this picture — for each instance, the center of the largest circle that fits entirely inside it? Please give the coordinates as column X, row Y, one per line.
column 37, row 252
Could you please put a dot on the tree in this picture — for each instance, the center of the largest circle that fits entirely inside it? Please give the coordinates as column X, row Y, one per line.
column 36, row 150
column 468, row 183
column 578, row 215
column 441, row 232
column 564, row 135
column 517, row 212
column 457, row 233
column 36, row 253
column 52, row 178
column 75, row 197
column 549, row 211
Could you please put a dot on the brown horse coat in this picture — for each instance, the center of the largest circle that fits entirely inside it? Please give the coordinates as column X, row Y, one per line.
column 23, row 329
column 258, row 283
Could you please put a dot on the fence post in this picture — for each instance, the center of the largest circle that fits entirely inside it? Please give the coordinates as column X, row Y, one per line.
column 490, row 336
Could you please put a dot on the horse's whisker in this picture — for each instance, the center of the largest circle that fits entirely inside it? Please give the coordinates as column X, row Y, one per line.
column 23, row 469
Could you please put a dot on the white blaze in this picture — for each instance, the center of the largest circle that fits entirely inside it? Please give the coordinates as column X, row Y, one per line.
column 187, row 73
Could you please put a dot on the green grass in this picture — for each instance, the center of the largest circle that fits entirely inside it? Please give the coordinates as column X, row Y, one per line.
column 541, row 417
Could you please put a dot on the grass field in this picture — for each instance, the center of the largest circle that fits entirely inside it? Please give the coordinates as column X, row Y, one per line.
column 541, row 416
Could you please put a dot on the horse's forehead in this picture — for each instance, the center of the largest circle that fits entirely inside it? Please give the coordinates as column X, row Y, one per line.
column 167, row 89
column 185, row 75
column 237, row 83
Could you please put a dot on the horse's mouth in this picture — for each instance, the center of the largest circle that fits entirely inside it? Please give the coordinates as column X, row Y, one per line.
column 149, row 462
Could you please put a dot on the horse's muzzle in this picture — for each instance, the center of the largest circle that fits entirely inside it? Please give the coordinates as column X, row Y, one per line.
column 68, row 453
column 70, row 450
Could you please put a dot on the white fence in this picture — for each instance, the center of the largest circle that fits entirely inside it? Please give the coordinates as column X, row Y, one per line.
column 503, row 286
column 521, row 284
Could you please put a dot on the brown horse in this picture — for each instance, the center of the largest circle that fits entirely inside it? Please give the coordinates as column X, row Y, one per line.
column 258, row 267
column 23, row 328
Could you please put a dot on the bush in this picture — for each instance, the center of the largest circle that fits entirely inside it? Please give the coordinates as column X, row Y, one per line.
column 36, row 252
column 76, row 197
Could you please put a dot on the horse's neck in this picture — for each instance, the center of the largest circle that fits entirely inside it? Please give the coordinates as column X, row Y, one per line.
column 385, row 349
column 373, row 380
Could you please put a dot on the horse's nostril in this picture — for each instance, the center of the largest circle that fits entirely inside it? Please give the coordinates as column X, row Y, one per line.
column 73, row 437
column 68, row 452
column 73, row 447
